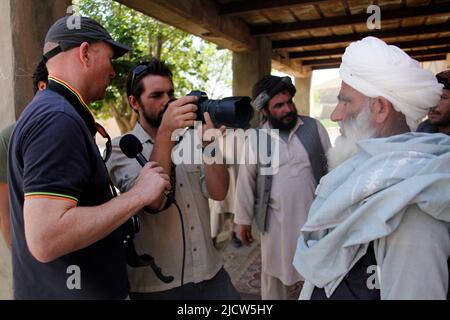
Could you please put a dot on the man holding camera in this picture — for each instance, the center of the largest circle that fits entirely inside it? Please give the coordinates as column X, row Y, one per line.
column 200, row 275
column 279, row 202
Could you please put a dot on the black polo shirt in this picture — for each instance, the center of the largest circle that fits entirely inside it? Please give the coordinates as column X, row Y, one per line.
column 53, row 154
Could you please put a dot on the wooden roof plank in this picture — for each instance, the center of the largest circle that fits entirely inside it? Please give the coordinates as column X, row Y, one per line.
column 286, row 44
column 334, row 61
column 402, row 13
column 340, row 51
column 250, row 6
column 200, row 18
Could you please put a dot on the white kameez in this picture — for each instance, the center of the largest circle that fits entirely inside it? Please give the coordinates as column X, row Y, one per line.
column 291, row 195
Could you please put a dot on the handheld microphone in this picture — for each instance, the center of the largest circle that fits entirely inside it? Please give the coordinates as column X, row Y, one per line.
column 132, row 148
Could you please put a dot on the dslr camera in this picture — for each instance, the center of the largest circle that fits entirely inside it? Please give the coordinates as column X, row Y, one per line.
column 234, row 112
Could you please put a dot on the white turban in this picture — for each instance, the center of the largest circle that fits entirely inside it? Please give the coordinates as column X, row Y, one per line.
column 379, row 70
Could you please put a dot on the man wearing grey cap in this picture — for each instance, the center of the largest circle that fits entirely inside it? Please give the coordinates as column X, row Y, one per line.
column 66, row 235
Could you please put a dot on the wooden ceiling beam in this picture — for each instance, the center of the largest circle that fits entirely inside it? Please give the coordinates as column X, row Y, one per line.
column 386, row 15
column 321, row 67
column 287, row 44
column 423, row 43
column 251, row 6
column 315, row 53
column 317, row 62
column 292, row 67
column 335, row 61
column 420, row 59
column 340, row 51
column 433, row 51
column 200, row 18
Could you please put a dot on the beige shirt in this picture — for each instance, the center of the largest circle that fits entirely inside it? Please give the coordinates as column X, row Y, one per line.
column 291, row 196
column 160, row 235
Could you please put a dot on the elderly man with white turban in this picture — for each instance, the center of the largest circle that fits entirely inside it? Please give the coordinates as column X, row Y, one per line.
column 379, row 226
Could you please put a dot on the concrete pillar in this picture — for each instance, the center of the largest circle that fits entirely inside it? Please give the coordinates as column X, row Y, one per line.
column 6, row 67
column 24, row 24
column 249, row 67
column 302, row 97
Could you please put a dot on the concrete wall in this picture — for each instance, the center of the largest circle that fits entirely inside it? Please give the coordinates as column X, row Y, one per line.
column 6, row 67
column 303, row 95
column 24, row 24
column 249, row 67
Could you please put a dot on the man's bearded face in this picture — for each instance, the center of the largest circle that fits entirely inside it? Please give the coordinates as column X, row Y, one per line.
column 157, row 91
column 285, row 123
column 281, row 112
column 352, row 130
column 440, row 115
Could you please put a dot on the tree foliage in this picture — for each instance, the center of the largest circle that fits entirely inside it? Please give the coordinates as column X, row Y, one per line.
column 196, row 64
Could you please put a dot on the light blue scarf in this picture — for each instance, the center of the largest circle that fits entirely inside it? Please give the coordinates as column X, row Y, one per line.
column 365, row 198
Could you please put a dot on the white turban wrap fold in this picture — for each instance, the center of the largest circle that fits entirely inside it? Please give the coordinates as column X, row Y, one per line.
column 376, row 69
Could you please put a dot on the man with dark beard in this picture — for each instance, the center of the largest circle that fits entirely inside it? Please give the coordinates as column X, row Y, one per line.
column 200, row 275
column 279, row 203
column 379, row 225
column 439, row 116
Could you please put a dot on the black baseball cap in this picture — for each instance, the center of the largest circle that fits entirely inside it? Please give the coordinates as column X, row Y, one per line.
column 70, row 34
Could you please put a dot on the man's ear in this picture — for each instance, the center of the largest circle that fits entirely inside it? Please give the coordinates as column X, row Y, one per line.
column 264, row 111
column 381, row 110
column 84, row 53
column 42, row 85
column 133, row 103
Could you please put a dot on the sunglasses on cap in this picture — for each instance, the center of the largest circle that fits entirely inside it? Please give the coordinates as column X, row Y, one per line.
column 136, row 73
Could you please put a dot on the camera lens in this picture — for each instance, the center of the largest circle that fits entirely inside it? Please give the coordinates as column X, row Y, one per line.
column 234, row 112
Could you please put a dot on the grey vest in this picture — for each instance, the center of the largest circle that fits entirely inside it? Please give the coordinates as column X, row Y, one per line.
column 308, row 134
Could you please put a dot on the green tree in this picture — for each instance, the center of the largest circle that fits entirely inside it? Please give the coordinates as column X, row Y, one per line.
column 196, row 64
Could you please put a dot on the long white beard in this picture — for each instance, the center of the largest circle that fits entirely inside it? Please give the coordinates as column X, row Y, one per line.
column 353, row 130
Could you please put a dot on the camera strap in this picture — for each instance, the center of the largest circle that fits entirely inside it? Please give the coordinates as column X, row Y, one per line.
column 132, row 257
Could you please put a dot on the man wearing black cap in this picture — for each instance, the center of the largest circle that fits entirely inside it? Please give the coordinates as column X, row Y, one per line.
column 279, row 203
column 187, row 254
column 439, row 116
column 66, row 240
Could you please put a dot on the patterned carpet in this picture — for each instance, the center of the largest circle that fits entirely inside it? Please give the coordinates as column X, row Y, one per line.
column 249, row 283
column 244, row 266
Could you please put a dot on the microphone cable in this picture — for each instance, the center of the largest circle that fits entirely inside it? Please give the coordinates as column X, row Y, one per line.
column 171, row 198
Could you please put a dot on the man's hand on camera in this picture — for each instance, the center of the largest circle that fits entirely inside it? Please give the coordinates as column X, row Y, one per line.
column 179, row 114
column 151, row 183
column 206, row 135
